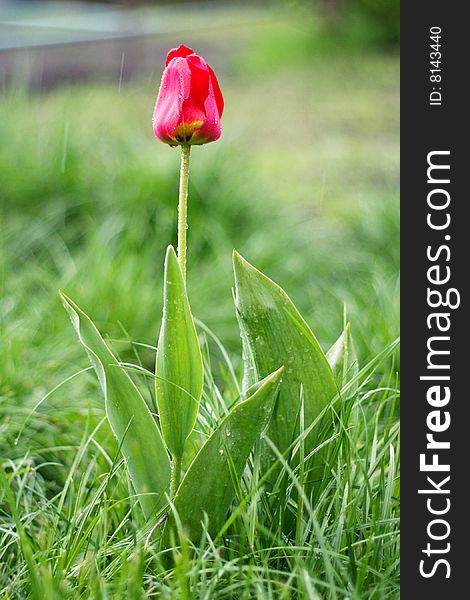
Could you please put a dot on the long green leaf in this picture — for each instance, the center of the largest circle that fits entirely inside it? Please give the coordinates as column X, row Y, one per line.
column 273, row 332
column 208, row 486
column 179, row 361
column 128, row 415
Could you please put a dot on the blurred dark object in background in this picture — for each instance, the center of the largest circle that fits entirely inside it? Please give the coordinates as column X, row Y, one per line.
column 377, row 22
column 43, row 43
column 382, row 15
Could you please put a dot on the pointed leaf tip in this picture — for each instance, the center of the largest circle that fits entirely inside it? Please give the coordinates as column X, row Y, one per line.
column 170, row 252
column 342, row 357
column 240, row 263
column 257, row 284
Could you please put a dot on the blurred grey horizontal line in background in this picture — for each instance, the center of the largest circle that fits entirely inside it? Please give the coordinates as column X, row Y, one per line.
column 52, row 42
column 29, row 24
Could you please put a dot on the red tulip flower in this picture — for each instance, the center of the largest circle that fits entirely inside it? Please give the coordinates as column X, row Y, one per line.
column 189, row 103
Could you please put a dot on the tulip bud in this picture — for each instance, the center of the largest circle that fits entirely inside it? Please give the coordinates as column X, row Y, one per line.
column 189, row 103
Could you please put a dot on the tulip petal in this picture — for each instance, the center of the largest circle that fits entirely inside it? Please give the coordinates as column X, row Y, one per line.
column 182, row 51
column 199, row 80
column 202, row 101
column 219, row 99
column 199, row 63
column 189, row 103
column 211, row 129
column 174, row 88
column 194, row 113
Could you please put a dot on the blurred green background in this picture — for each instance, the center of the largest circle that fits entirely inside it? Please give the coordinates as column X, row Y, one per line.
column 303, row 182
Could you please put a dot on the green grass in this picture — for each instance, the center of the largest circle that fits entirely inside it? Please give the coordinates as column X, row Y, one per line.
column 304, row 183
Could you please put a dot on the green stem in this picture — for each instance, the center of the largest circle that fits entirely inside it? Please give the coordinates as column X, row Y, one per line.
column 182, row 247
column 183, row 209
column 175, row 476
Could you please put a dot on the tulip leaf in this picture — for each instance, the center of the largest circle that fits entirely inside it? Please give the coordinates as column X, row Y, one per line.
column 179, row 361
column 128, row 415
column 342, row 357
column 273, row 332
column 209, row 484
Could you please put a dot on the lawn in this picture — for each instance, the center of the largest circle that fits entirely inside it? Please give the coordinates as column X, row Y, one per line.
column 304, row 184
